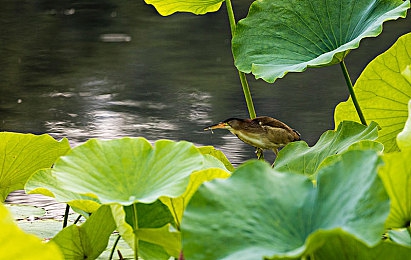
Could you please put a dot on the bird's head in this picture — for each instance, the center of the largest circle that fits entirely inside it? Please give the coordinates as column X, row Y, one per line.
column 229, row 124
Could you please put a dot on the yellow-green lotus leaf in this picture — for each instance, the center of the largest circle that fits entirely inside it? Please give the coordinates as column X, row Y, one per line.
column 23, row 154
column 167, row 7
column 383, row 91
column 404, row 137
column 15, row 244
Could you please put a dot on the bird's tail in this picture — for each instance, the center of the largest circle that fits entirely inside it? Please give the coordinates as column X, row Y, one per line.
column 299, row 135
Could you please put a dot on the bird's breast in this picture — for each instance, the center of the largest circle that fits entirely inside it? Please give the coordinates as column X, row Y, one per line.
column 257, row 140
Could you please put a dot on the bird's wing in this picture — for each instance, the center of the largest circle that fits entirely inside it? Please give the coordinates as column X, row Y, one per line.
column 271, row 122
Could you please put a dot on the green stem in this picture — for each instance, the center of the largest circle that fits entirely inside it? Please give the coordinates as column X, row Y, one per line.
column 77, row 219
column 135, row 220
column 231, row 17
column 114, row 247
column 247, row 95
column 351, row 90
column 243, row 79
column 66, row 213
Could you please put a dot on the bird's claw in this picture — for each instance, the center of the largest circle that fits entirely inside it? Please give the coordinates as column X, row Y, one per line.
column 259, row 153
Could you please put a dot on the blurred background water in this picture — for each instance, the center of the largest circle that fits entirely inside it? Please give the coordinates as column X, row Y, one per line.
column 108, row 69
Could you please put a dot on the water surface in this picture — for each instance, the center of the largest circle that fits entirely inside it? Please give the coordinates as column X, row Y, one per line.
column 108, row 69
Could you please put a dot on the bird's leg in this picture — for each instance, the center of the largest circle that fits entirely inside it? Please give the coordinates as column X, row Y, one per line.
column 259, row 153
column 275, row 150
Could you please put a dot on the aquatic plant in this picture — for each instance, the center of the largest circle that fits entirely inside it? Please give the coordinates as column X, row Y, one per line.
column 347, row 196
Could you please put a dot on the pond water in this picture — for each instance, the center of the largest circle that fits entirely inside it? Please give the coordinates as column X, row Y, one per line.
column 108, row 69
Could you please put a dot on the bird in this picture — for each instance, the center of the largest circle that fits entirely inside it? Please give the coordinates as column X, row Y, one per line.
column 263, row 132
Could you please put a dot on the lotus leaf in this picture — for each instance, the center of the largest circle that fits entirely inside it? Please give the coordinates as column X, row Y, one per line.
column 299, row 158
column 167, row 7
column 400, row 236
column 45, row 183
column 259, row 212
column 396, row 175
column 15, row 244
column 90, row 239
column 210, row 150
column 178, row 205
column 404, row 137
column 383, row 91
column 128, row 170
column 344, row 247
column 284, row 36
column 153, row 233
column 23, row 154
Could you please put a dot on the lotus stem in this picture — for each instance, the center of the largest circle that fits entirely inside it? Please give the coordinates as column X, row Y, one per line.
column 66, row 213
column 231, row 17
column 114, row 247
column 351, row 90
column 243, row 79
column 135, row 220
column 77, row 219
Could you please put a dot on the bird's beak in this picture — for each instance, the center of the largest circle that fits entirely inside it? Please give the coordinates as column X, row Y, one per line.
column 219, row 125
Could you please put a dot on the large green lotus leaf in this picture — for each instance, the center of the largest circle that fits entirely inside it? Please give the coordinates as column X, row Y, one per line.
column 396, row 175
column 154, row 234
column 178, row 205
column 284, row 36
column 261, row 212
column 383, row 91
column 15, row 244
column 128, row 170
column 167, row 7
column 23, row 154
column 45, row 183
column 299, row 158
column 90, row 239
column 404, row 137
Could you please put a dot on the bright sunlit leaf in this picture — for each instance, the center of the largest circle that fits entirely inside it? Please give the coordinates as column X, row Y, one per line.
column 90, row 239
column 45, row 183
column 383, row 91
column 167, row 7
column 128, row 170
column 404, row 137
column 15, row 244
column 210, row 150
column 23, row 154
column 396, row 175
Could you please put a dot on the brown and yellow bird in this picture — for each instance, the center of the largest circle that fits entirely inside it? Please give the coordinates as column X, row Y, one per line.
column 262, row 132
